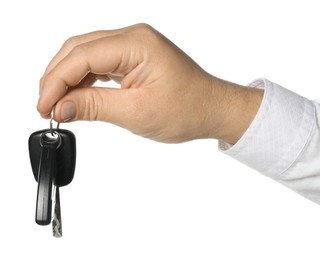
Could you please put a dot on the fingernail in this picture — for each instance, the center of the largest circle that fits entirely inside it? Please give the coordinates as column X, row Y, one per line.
column 47, row 116
column 68, row 111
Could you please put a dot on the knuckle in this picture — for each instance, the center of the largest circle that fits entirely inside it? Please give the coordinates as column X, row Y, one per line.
column 79, row 50
column 81, row 53
column 48, row 80
column 45, row 81
column 144, row 27
column 71, row 42
column 93, row 106
column 144, row 31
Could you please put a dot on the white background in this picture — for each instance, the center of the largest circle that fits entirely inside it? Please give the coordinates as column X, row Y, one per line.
column 133, row 198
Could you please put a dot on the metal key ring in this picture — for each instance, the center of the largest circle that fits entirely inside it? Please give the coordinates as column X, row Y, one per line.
column 58, row 124
column 51, row 127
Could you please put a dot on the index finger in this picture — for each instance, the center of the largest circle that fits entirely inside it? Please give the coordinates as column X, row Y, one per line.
column 101, row 56
column 74, row 41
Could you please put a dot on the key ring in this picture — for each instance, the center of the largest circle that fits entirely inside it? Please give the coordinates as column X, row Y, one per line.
column 51, row 127
column 58, row 124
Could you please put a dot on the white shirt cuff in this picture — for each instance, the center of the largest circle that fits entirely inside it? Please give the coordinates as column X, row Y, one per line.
column 278, row 133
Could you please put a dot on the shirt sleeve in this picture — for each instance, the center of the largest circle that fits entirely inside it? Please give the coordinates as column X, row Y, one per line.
column 283, row 140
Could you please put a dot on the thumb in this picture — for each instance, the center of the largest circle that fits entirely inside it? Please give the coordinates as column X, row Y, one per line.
column 94, row 104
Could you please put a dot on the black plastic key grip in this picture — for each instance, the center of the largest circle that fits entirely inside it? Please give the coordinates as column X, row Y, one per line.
column 49, row 142
column 53, row 158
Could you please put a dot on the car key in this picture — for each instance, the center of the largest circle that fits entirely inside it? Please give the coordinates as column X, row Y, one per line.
column 56, row 219
column 49, row 143
column 53, row 156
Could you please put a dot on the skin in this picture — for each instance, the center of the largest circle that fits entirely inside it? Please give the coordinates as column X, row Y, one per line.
column 164, row 94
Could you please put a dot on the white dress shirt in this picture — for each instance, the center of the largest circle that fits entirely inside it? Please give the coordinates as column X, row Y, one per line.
column 283, row 140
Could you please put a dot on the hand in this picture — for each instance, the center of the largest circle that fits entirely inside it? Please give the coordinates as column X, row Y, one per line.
column 164, row 94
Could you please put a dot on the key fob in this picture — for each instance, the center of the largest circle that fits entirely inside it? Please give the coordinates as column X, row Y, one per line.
column 52, row 156
column 65, row 155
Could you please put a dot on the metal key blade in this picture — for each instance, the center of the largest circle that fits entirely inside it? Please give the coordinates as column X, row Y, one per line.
column 56, row 220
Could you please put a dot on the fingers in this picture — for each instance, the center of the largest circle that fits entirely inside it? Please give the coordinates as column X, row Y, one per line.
column 78, row 40
column 101, row 56
column 70, row 44
column 98, row 52
column 163, row 94
column 101, row 104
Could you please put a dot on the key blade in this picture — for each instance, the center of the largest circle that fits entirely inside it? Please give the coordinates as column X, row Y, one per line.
column 56, row 220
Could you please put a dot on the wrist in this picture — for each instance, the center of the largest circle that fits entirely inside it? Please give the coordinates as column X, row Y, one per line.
column 233, row 110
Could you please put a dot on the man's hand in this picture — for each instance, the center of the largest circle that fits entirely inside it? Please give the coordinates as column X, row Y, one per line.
column 164, row 94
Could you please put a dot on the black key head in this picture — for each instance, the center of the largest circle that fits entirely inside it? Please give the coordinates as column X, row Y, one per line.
column 53, row 157
column 65, row 155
